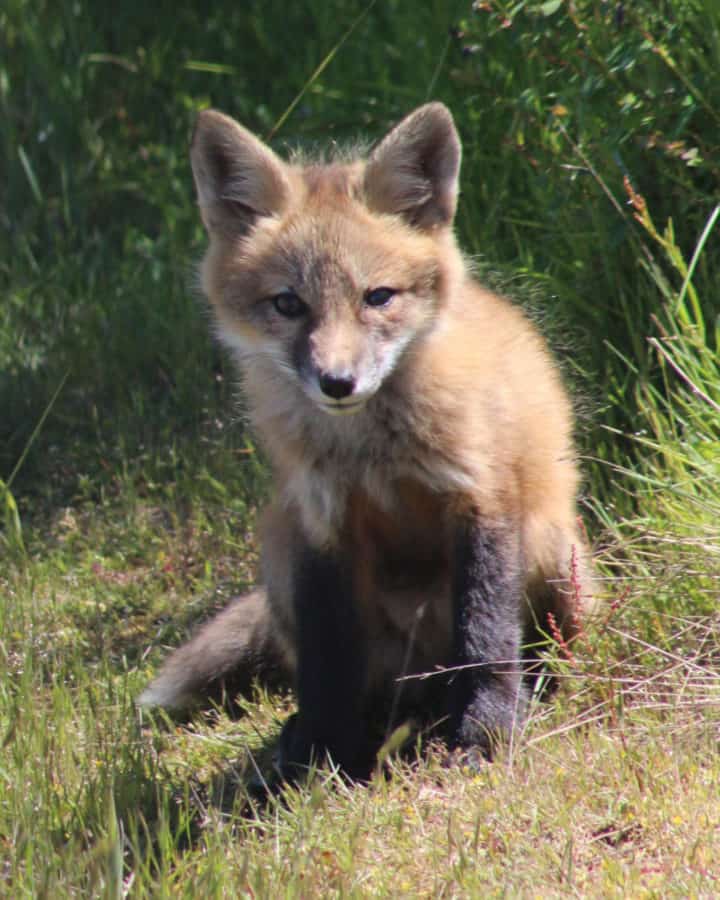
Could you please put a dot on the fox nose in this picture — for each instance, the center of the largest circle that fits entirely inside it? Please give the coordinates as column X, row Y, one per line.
column 337, row 388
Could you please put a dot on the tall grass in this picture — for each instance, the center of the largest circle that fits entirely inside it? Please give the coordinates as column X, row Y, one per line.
column 556, row 103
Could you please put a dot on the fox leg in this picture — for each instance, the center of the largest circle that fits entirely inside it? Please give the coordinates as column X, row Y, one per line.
column 487, row 696
column 559, row 571
column 331, row 669
column 561, row 594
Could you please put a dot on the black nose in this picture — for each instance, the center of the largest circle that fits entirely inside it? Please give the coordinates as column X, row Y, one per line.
column 337, row 388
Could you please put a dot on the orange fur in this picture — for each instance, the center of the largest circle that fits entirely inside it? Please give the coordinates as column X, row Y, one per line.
column 456, row 404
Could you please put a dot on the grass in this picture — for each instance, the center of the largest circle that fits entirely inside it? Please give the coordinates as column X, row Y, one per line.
column 130, row 486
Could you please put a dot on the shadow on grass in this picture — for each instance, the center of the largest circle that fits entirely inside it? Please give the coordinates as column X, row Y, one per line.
column 185, row 806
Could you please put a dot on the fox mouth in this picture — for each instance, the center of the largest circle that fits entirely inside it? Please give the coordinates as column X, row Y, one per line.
column 340, row 408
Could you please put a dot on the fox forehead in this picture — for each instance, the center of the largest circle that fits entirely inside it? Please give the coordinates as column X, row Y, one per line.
column 339, row 247
column 331, row 182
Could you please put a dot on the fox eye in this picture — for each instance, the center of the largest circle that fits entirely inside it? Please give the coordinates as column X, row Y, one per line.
column 288, row 304
column 379, row 296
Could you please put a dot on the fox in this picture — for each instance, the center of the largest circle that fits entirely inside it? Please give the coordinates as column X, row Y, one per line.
column 423, row 530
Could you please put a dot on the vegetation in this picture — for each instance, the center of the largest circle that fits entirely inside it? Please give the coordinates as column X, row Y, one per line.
column 129, row 485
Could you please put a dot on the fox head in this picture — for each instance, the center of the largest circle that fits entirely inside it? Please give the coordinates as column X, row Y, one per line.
column 329, row 272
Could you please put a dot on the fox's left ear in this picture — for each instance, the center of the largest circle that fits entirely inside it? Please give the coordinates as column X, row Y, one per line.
column 414, row 170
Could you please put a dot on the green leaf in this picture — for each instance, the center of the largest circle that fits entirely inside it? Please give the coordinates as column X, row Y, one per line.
column 550, row 8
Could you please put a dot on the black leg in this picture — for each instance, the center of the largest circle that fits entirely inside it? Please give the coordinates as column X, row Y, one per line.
column 332, row 660
column 488, row 696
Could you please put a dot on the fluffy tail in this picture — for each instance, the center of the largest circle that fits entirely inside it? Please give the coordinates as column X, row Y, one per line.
column 223, row 659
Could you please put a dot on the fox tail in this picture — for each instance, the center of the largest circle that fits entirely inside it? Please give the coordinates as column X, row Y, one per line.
column 224, row 658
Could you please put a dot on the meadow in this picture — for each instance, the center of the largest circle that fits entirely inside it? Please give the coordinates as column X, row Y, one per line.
column 129, row 484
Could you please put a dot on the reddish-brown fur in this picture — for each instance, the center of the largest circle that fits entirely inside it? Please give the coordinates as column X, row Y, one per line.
column 460, row 409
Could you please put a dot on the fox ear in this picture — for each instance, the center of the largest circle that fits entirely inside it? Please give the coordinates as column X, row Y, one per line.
column 414, row 170
column 238, row 178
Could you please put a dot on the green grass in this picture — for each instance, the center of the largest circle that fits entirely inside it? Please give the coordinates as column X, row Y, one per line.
column 129, row 485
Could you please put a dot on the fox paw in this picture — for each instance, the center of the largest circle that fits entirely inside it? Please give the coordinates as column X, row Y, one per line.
column 470, row 759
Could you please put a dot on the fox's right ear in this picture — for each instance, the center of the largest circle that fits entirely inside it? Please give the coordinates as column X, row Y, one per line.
column 238, row 178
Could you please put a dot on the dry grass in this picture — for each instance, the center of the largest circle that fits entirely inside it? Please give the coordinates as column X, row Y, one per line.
column 610, row 790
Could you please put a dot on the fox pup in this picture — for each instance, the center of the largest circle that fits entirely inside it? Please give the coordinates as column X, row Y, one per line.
column 420, row 436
